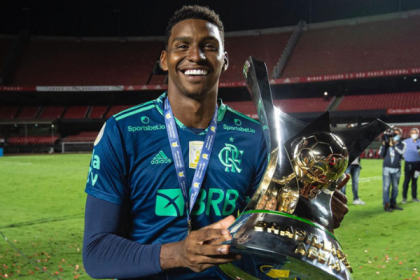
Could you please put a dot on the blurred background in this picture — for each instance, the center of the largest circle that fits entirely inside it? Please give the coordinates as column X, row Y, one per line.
column 67, row 66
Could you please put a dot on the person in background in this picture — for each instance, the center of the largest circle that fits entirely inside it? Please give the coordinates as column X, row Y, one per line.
column 392, row 151
column 354, row 171
column 412, row 164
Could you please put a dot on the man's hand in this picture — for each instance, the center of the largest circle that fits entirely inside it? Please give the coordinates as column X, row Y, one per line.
column 338, row 203
column 199, row 250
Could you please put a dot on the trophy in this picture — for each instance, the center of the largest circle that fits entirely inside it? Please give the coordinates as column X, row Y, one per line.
column 286, row 230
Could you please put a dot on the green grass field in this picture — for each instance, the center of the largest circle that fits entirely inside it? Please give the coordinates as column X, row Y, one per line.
column 42, row 205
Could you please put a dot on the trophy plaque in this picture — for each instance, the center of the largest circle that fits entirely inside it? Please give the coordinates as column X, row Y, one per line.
column 286, row 230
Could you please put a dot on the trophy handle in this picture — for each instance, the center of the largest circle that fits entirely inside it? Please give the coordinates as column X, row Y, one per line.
column 277, row 128
column 256, row 77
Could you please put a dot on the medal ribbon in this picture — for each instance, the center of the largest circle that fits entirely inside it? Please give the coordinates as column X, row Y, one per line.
column 178, row 158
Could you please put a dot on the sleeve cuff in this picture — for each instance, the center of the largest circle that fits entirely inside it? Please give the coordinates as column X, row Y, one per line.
column 156, row 254
column 103, row 196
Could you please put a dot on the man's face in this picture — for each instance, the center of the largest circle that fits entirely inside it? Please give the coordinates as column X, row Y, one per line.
column 194, row 58
column 397, row 132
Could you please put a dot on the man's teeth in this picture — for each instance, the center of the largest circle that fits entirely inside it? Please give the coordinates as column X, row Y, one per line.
column 196, row 72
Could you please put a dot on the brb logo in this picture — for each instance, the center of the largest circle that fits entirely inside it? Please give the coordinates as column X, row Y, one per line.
column 230, row 157
column 170, row 202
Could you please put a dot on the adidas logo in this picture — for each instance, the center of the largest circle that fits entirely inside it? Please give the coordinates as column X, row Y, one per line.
column 160, row 158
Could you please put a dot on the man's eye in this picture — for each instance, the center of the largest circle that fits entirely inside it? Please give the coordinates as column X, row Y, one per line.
column 210, row 46
column 182, row 47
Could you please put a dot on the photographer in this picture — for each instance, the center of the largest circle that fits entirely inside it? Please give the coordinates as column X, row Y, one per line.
column 412, row 164
column 392, row 151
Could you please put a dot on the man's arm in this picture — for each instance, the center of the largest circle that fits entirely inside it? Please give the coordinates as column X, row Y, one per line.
column 382, row 150
column 401, row 152
column 108, row 255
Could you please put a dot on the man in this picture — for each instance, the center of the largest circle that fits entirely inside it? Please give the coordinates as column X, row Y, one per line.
column 412, row 164
column 143, row 168
column 354, row 170
column 392, row 152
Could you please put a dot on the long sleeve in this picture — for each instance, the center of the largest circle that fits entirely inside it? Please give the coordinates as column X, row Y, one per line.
column 108, row 255
column 382, row 151
column 398, row 150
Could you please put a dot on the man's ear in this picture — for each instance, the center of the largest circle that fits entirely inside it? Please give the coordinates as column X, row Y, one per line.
column 163, row 63
column 225, row 62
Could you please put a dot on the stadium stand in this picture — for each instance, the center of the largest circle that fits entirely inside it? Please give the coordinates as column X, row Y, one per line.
column 86, row 63
column 52, row 112
column 116, row 109
column 28, row 112
column 32, row 140
column 8, row 112
column 5, row 45
column 86, row 136
column 321, row 50
column 379, row 101
column 98, row 112
column 157, row 80
column 300, row 105
column 75, row 112
column 354, row 48
column 267, row 48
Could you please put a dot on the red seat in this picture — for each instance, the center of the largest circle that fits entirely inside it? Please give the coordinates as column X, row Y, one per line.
column 98, row 112
column 267, row 47
column 379, row 101
column 380, row 45
column 116, row 109
column 86, row 136
column 8, row 112
column 59, row 63
column 52, row 112
column 75, row 112
column 158, row 80
column 296, row 105
column 28, row 112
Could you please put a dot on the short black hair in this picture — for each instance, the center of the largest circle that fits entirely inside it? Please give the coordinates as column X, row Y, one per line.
column 194, row 12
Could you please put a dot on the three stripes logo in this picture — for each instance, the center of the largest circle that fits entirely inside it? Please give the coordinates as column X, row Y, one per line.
column 160, row 158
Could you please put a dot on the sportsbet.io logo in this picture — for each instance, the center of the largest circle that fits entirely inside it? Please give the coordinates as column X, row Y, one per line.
column 238, row 127
column 144, row 119
column 146, row 127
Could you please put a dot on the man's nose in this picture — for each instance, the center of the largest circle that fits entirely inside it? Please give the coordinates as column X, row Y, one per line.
column 196, row 54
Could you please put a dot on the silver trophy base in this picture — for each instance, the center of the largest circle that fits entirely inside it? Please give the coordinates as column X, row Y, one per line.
column 277, row 245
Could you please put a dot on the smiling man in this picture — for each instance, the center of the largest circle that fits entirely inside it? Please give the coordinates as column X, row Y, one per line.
column 172, row 171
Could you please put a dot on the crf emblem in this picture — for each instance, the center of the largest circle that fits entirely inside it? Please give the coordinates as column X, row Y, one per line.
column 230, row 156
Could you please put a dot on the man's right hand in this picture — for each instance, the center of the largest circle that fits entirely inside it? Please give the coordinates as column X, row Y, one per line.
column 198, row 251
